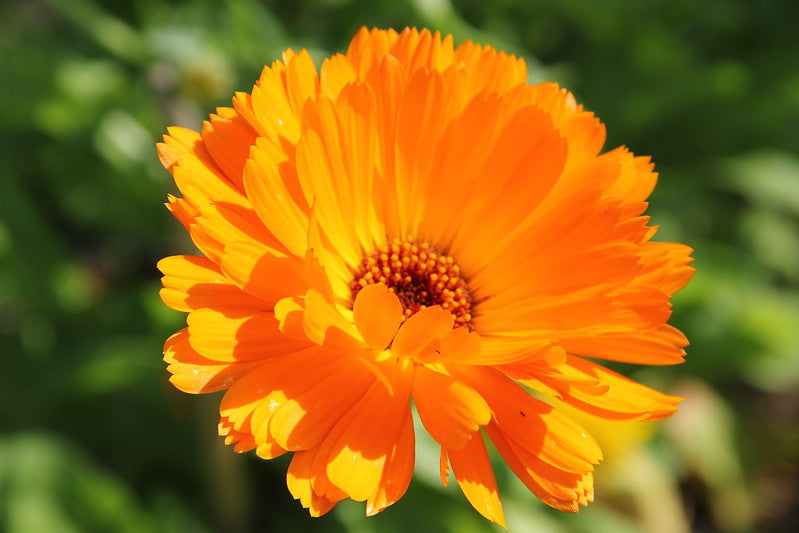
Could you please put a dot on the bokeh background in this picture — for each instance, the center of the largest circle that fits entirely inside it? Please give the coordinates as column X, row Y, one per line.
column 92, row 436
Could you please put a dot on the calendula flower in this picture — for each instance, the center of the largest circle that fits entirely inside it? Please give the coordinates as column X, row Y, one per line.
column 414, row 222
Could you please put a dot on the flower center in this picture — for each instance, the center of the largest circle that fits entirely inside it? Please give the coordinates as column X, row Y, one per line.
column 420, row 276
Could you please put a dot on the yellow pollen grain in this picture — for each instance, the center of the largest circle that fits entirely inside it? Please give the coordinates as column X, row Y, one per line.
column 419, row 275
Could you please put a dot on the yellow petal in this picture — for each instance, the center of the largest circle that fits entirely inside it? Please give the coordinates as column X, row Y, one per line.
column 299, row 480
column 472, row 469
column 290, row 313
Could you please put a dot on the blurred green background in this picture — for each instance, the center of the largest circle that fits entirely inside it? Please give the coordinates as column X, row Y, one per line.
column 92, row 436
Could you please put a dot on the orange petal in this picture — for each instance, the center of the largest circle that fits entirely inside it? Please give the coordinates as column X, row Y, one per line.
column 314, row 402
column 261, row 273
column 336, row 73
column 324, row 324
column 236, row 337
column 274, row 115
column 528, row 145
column 216, row 225
column 191, row 282
column 443, row 467
column 398, row 471
column 241, row 441
column 459, row 346
column 253, row 390
column 558, row 488
column 195, row 374
column 423, row 110
column 356, row 112
column 421, row 333
column 489, row 70
column 377, row 314
column 228, row 138
column 356, row 451
column 368, row 46
column 450, row 411
column 421, row 49
column 663, row 345
column 472, row 469
column 196, row 173
column 325, row 181
column 666, row 265
column 302, row 81
column 181, row 210
column 179, row 142
column 298, row 479
column 611, row 395
column 555, row 438
column 319, row 279
column 290, row 312
column 635, row 179
column 265, row 179
column 457, row 167
column 330, row 274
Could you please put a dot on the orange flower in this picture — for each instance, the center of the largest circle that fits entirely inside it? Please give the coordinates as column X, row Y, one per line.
column 415, row 221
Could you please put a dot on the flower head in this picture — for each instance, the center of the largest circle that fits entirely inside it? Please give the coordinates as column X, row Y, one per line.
column 413, row 221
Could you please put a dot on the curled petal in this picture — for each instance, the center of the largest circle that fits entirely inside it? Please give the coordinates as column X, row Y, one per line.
column 553, row 437
column 602, row 392
column 451, row 412
column 556, row 487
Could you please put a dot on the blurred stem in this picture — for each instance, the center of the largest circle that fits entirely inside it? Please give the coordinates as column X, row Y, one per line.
column 226, row 477
column 703, row 436
column 652, row 490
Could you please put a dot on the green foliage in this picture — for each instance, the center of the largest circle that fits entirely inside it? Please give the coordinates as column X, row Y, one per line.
column 94, row 439
column 47, row 486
